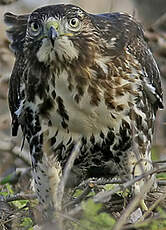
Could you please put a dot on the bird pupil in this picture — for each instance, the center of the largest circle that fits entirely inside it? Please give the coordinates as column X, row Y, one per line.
column 73, row 21
column 35, row 25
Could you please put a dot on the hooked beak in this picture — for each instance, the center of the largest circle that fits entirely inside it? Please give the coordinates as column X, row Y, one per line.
column 52, row 34
column 52, row 28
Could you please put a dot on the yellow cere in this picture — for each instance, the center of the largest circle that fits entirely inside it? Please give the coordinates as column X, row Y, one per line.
column 54, row 24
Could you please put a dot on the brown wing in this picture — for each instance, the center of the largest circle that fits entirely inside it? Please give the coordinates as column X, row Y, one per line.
column 16, row 34
column 14, row 94
column 16, row 31
column 151, row 80
column 129, row 34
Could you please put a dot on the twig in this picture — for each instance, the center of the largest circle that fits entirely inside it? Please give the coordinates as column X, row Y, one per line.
column 106, row 196
column 142, row 224
column 153, row 206
column 10, row 146
column 3, row 222
column 159, row 162
column 99, row 181
column 14, row 176
column 62, row 184
column 68, row 167
column 100, row 197
column 75, row 211
column 79, row 198
column 161, row 182
column 86, row 183
column 161, row 21
column 10, row 198
column 6, row 2
column 133, row 204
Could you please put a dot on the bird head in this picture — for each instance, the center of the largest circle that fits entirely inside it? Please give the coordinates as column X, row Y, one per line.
column 67, row 34
column 60, row 33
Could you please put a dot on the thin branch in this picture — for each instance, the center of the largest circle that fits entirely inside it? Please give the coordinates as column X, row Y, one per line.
column 3, row 222
column 10, row 198
column 68, row 167
column 104, row 197
column 62, row 184
column 161, row 21
column 132, row 205
column 11, row 147
column 154, row 206
column 14, row 176
column 6, row 2
column 99, row 181
column 79, row 198
column 159, row 162
column 161, row 182
column 87, row 185
column 142, row 224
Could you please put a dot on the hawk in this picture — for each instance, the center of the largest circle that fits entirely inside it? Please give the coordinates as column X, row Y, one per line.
column 79, row 75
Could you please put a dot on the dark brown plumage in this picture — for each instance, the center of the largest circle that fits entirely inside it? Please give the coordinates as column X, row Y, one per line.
column 79, row 75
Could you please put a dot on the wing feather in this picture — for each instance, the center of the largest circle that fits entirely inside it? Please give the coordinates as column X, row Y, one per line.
column 16, row 34
column 14, row 95
column 122, row 31
column 16, row 31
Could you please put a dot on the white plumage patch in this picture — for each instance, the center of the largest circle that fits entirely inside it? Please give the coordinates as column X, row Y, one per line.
column 113, row 42
column 85, row 118
column 44, row 52
column 63, row 47
column 102, row 63
column 19, row 110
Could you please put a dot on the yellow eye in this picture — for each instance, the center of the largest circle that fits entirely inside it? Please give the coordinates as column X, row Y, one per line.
column 74, row 22
column 35, row 28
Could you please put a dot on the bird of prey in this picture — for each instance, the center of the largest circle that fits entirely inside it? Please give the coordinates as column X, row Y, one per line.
column 88, row 77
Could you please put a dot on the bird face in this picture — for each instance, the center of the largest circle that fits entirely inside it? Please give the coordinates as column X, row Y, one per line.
column 59, row 32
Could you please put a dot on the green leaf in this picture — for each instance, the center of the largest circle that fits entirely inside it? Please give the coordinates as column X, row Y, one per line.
column 161, row 175
column 20, row 203
column 12, row 178
column 91, row 208
column 77, row 193
column 108, row 187
column 155, row 150
column 9, row 188
column 93, row 218
column 27, row 223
